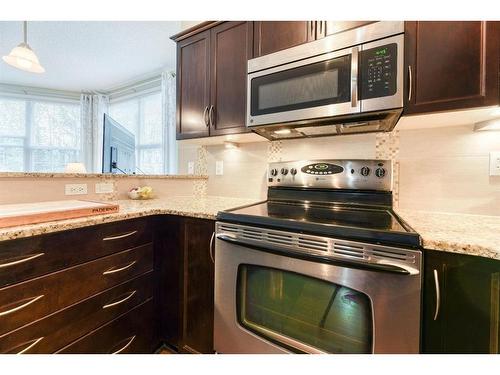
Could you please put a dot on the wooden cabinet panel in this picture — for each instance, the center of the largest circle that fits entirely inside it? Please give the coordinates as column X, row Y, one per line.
column 467, row 318
column 231, row 47
column 131, row 333
column 60, row 329
column 30, row 300
column 193, row 86
column 273, row 36
column 198, row 287
column 453, row 65
column 35, row 256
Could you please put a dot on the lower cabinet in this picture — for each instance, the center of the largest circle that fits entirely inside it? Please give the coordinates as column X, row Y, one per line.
column 461, row 304
column 188, row 277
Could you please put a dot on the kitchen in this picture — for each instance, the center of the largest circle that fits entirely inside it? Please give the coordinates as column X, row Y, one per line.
column 313, row 173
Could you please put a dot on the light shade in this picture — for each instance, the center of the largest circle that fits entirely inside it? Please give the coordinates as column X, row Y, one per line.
column 75, row 168
column 23, row 57
column 493, row 124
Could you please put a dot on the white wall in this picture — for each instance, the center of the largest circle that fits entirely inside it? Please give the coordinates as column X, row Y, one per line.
column 441, row 169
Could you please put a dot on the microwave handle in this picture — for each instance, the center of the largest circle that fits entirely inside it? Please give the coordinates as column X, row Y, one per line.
column 354, row 76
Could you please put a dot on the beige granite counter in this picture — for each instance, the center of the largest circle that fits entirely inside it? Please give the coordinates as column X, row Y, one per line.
column 206, row 208
column 457, row 233
column 102, row 175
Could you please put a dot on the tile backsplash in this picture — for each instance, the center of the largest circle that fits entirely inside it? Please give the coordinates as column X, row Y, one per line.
column 435, row 169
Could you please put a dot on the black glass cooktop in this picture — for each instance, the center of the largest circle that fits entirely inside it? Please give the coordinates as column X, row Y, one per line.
column 372, row 223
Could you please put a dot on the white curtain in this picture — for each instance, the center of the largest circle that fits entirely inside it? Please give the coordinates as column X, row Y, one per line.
column 168, row 98
column 93, row 107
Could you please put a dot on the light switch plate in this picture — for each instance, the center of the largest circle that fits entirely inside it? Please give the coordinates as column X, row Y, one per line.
column 75, row 189
column 495, row 163
column 219, row 168
column 104, row 187
column 190, row 167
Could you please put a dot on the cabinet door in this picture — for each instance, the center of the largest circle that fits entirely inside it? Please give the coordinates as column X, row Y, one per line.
column 272, row 36
column 466, row 319
column 231, row 47
column 198, row 288
column 451, row 65
column 193, row 86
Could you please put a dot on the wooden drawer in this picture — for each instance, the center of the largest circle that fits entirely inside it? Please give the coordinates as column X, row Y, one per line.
column 26, row 302
column 39, row 255
column 130, row 333
column 60, row 329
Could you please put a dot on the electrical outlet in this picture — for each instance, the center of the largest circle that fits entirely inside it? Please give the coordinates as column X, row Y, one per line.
column 219, row 167
column 75, row 189
column 495, row 163
column 104, row 187
column 190, row 167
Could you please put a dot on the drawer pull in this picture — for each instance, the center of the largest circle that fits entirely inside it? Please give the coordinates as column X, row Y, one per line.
column 19, row 261
column 120, row 301
column 35, row 342
column 20, row 307
column 120, row 236
column 115, row 270
column 126, row 345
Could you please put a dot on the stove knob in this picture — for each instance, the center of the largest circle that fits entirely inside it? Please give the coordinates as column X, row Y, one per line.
column 293, row 171
column 274, row 172
column 284, row 171
column 380, row 172
column 365, row 171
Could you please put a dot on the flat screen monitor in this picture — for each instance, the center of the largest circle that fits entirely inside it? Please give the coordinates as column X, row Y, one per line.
column 118, row 155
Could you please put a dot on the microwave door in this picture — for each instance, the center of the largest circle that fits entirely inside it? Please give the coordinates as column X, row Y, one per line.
column 319, row 87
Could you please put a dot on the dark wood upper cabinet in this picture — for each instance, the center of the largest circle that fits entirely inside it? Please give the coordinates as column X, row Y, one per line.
column 461, row 311
column 451, row 65
column 193, row 86
column 273, row 36
column 211, row 80
column 231, row 47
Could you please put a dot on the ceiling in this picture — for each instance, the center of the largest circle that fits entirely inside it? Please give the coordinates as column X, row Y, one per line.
column 90, row 55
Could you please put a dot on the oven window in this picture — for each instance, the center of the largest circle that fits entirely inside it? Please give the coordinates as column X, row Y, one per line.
column 279, row 305
column 321, row 83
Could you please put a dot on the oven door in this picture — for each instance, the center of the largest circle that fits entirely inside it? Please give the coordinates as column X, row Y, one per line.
column 266, row 302
column 320, row 86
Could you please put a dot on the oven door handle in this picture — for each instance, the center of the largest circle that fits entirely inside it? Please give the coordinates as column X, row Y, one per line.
column 382, row 266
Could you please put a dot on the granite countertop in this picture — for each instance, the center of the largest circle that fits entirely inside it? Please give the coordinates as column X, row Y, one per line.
column 102, row 175
column 456, row 233
column 205, row 208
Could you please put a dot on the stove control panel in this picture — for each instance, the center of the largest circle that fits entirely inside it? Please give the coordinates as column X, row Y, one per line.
column 332, row 174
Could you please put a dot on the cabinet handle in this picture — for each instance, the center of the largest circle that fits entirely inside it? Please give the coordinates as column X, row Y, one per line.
column 205, row 112
column 211, row 116
column 120, row 236
column 211, row 246
column 410, row 83
column 28, row 258
column 20, row 307
column 321, row 28
column 438, row 294
column 120, row 301
column 126, row 345
column 311, row 28
column 495, row 313
column 115, row 270
column 35, row 342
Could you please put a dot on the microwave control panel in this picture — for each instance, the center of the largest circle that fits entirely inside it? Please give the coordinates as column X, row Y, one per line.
column 378, row 71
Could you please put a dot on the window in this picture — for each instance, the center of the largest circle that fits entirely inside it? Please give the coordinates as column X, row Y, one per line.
column 142, row 116
column 39, row 136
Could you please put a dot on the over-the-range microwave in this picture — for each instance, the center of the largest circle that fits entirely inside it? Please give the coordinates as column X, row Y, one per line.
column 346, row 83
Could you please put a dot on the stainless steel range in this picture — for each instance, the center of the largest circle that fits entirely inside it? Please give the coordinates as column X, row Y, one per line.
column 323, row 266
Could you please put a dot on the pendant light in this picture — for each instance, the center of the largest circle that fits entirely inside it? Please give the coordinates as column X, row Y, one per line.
column 23, row 57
